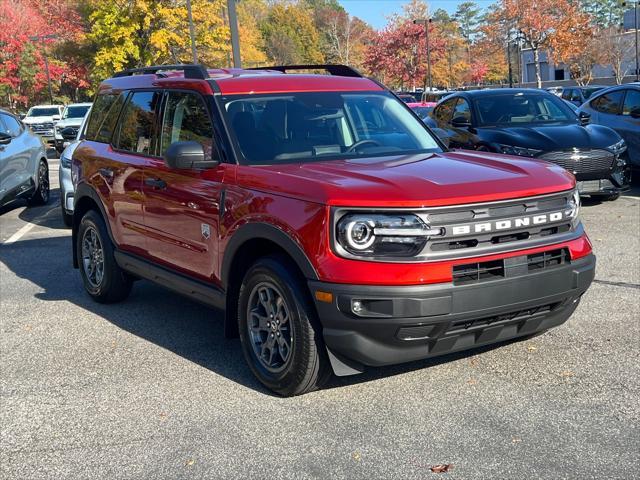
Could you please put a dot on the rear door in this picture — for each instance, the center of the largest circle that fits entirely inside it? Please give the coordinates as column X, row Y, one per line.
column 182, row 206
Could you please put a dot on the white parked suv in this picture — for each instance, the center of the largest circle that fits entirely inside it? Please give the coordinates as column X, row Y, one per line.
column 72, row 117
column 67, row 188
column 41, row 119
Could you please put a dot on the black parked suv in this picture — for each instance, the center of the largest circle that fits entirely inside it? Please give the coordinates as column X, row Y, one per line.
column 538, row 124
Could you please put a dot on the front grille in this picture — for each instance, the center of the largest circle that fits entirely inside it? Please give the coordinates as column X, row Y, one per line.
column 581, row 161
column 509, row 267
column 42, row 127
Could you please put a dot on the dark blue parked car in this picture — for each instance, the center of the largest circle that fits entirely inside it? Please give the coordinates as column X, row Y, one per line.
column 619, row 108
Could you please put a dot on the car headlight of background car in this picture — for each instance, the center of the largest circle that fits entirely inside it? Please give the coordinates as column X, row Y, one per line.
column 519, row 151
column 573, row 207
column 382, row 235
column 618, row 148
column 65, row 159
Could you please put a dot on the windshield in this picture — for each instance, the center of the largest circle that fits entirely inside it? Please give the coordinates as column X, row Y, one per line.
column 75, row 112
column 304, row 127
column 522, row 108
column 43, row 112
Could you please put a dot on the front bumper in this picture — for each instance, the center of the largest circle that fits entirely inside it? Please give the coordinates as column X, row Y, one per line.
column 402, row 324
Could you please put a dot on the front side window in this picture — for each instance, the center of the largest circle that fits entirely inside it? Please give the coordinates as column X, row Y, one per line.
column 186, row 118
column 136, row 126
column 309, row 126
column 609, row 102
column 522, row 108
column 75, row 111
column 631, row 102
column 444, row 111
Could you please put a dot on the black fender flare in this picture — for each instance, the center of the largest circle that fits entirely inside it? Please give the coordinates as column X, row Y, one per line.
column 84, row 190
column 252, row 231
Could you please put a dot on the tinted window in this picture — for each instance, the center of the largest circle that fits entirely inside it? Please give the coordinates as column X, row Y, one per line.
column 298, row 127
column 462, row 110
column 444, row 111
column 186, row 119
column 608, row 102
column 521, row 108
column 75, row 112
column 631, row 102
column 587, row 92
column 566, row 93
column 136, row 126
column 103, row 117
column 575, row 96
column 12, row 126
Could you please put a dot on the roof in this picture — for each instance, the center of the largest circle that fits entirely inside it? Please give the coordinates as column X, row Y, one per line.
column 82, row 104
column 231, row 81
column 494, row 91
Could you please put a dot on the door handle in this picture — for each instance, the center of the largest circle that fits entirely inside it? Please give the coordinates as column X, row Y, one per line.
column 156, row 183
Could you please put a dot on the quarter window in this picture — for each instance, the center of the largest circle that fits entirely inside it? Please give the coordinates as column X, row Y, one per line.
column 137, row 123
column 631, row 102
column 186, row 118
column 608, row 102
column 103, row 117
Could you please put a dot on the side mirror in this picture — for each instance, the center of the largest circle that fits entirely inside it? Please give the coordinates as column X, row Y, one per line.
column 55, row 118
column 460, row 122
column 584, row 117
column 187, row 155
column 68, row 133
column 635, row 113
column 5, row 138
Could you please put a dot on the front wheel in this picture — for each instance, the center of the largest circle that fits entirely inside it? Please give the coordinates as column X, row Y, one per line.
column 41, row 195
column 279, row 332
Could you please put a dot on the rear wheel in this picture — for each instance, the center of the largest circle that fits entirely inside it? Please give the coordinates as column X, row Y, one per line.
column 103, row 279
column 279, row 332
column 41, row 195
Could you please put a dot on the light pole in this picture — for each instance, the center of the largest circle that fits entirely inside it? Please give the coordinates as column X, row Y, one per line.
column 635, row 25
column 235, row 37
column 426, row 22
column 41, row 39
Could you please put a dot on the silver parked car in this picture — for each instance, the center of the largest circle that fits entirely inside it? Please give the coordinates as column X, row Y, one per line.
column 67, row 188
column 24, row 171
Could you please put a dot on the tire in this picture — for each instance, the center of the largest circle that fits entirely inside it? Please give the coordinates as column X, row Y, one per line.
column 303, row 366
column 103, row 279
column 66, row 218
column 42, row 193
column 610, row 198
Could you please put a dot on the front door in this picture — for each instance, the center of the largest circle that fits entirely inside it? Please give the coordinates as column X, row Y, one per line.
column 182, row 206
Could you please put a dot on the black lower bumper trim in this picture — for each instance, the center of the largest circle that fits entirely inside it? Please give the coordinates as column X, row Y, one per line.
column 378, row 325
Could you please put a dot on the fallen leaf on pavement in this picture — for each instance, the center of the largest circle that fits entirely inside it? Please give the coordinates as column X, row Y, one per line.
column 443, row 468
column 356, row 456
column 566, row 373
column 189, row 462
column 531, row 348
column 472, row 381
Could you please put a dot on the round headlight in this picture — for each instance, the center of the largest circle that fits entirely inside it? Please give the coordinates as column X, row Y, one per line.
column 360, row 234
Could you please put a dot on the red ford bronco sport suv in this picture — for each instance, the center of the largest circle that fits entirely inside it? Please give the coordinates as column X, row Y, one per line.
column 332, row 226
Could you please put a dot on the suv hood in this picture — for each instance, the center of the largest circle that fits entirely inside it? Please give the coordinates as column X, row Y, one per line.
column 551, row 137
column 449, row 178
column 31, row 120
column 69, row 122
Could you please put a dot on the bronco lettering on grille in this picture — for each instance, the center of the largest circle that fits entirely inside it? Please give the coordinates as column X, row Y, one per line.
column 507, row 224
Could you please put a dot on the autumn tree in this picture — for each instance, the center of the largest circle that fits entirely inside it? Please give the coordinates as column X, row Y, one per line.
column 616, row 48
column 542, row 24
column 451, row 70
column 290, row 35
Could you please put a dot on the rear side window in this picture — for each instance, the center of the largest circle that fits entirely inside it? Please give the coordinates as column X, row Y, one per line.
column 631, row 102
column 104, row 115
column 186, row 118
column 566, row 94
column 609, row 102
column 137, row 132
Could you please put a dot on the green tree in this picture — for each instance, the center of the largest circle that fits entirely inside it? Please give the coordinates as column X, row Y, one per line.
column 468, row 17
column 290, row 35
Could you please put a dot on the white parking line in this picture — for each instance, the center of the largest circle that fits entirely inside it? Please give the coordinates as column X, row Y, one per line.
column 19, row 234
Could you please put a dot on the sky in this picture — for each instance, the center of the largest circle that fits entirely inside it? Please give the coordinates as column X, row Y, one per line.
column 375, row 12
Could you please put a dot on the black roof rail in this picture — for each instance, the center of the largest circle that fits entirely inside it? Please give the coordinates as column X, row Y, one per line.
column 191, row 70
column 337, row 70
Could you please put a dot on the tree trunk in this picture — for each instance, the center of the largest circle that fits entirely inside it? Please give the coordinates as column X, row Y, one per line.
column 536, row 61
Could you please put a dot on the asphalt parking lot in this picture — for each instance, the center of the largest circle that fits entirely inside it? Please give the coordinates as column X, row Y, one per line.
column 149, row 388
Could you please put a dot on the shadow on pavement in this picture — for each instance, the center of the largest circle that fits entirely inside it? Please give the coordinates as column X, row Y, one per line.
column 193, row 331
